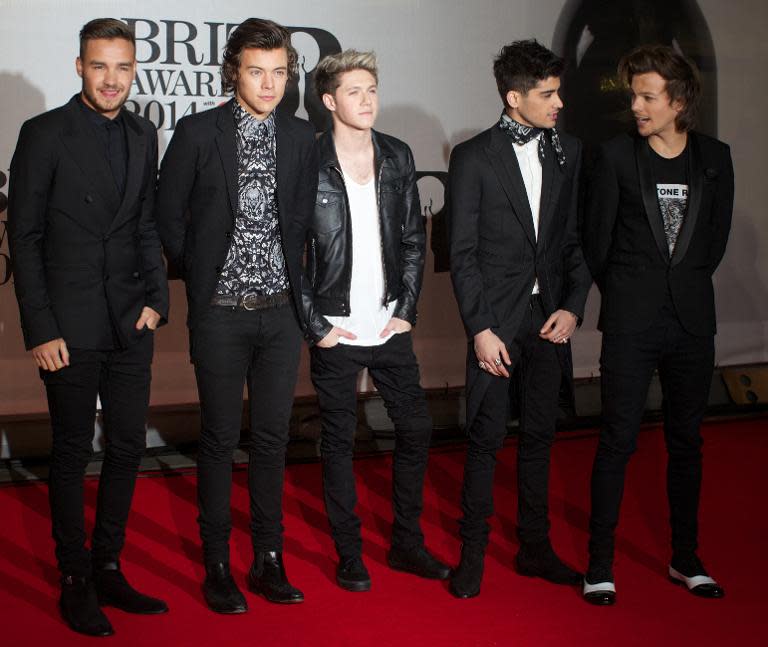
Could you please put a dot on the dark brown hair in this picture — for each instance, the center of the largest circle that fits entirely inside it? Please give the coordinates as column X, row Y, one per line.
column 522, row 64
column 681, row 75
column 255, row 33
column 107, row 28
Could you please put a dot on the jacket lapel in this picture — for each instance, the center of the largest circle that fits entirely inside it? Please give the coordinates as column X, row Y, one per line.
column 137, row 154
column 284, row 153
column 551, row 183
column 225, row 142
column 83, row 147
column 650, row 198
column 695, row 188
column 504, row 163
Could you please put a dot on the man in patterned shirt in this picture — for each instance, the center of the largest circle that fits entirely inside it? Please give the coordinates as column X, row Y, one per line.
column 237, row 186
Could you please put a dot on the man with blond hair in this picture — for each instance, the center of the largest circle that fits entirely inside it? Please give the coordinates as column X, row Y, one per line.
column 366, row 262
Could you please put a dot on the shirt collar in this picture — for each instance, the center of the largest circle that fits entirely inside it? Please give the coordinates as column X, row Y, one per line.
column 96, row 118
column 250, row 126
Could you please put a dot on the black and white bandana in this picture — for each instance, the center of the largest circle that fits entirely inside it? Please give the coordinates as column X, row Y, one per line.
column 521, row 135
column 255, row 261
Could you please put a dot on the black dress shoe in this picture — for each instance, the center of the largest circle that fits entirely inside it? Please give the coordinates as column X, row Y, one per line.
column 220, row 591
column 419, row 562
column 352, row 575
column 598, row 587
column 466, row 578
column 539, row 560
column 267, row 577
column 687, row 570
column 79, row 607
column 113, row 590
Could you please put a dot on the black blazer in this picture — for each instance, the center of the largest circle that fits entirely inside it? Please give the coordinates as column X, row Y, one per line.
column 625, row 245
column 495, row 254
column 197, row 198
column 85, row 261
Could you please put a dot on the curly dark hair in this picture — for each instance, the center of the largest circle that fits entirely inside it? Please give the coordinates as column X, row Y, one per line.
column 255, row 33
column 522, row 64
column 681, row 75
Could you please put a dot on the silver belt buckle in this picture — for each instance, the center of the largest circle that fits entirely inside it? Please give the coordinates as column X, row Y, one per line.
column 250, row 301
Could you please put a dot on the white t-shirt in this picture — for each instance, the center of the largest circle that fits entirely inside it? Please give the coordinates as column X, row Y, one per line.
column 367, row 316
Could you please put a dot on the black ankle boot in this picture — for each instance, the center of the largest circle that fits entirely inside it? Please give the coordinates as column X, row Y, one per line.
column 466, row 578
column 539, row 560
column 79, row 607
column 113, row 590
column 267, row 577
column 220, row 591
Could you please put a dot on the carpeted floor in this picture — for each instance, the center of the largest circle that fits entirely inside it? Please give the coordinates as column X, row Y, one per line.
column 163, row 558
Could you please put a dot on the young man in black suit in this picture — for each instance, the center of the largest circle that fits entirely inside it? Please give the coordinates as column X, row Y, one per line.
column 237, row 187
column 366, row 263
column 91, row 286
column 656, row 224
column 521, row 282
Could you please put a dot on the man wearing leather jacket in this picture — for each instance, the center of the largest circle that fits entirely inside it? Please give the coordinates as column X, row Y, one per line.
column 365, row 267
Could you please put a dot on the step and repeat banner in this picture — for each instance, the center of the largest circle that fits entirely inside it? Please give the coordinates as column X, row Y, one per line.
column 436, row 89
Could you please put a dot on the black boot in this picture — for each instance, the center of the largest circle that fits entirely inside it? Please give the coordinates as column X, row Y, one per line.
column 539, row 560
column 267, row 577
column 466, row 578
column 352, row 575
column 220, row 591
column 417, row 561
column 113, row 590
column 80, row 607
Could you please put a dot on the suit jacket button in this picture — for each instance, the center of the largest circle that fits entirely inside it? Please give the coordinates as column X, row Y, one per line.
column 106, row 238
column 218, row 270
column 89, row 198
column 135, row 275
column 106, row 278
column 228, row 234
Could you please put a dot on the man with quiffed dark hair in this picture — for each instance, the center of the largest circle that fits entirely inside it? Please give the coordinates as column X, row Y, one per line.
column 521, row 283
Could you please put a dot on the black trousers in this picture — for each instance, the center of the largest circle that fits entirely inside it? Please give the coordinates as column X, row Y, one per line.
column 540, row 373
column 685, row 364
column 232, row 347
column 121, row 378
column 395, row 372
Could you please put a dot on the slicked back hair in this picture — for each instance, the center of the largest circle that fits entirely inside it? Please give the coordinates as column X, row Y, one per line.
column 105, row 28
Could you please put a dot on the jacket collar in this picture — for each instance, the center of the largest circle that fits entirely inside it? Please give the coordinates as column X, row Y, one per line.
column 327, row 149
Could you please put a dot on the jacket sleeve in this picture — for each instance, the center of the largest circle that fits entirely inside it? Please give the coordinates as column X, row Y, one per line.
column 33, row 168
column 463, row 198
column 314, row 324
column 600, row 211
column 576, row 273
column 722, row 211
column 412, row 248
column 155, row 276
column 178, row 173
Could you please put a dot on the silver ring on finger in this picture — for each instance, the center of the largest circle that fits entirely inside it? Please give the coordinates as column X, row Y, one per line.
column 497, row 361
column 481, row 365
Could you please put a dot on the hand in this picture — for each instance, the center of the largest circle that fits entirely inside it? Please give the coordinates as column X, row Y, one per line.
column 559, row 327
column 492, row 353
column 332, row 338
column 396, row 326
column 52, row 355
column 148, row 318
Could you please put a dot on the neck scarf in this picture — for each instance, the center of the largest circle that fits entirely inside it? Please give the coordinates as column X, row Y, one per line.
column 521, row 135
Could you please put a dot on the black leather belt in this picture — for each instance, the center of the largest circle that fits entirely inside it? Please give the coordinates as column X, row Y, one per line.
column 252, row 301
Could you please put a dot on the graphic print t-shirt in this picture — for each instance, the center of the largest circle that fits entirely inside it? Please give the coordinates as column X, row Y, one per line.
column 671, row 177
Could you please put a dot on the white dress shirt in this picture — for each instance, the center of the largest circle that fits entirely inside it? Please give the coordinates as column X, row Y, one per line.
column 530, row 169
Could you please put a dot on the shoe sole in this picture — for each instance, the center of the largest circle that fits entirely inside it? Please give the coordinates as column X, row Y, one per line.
column 698, row 591
column 112, row 605
column 403, row 568
column 464, row 596
column 356, row 587
column 258, row 591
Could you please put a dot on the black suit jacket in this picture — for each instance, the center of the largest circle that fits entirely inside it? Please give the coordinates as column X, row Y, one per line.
column 625, row 245
column 495, row 254
column 85, row 260
column 198, row 198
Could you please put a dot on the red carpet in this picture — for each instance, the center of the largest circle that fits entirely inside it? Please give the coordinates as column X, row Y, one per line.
column 162, row 558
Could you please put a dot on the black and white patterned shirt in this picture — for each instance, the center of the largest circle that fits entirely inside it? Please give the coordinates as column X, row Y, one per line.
column 255, row 261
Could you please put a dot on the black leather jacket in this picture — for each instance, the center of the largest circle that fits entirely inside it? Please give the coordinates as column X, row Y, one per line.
column 329, row 254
